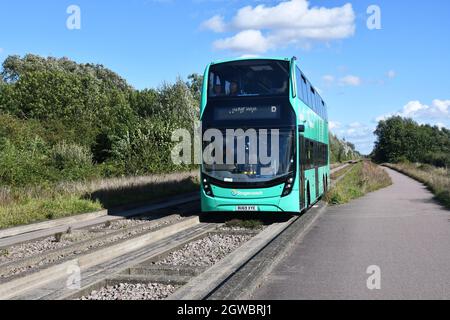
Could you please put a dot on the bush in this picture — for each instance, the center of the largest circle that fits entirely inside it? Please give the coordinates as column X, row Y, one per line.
column 72, row 162
column 23, row 164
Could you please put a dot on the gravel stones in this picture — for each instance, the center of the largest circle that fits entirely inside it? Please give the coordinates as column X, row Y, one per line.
column 76, row 243
column 29, row 249
column 129, row 291
column 206, row 251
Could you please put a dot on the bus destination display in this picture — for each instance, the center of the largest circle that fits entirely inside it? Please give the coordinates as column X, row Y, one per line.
column 247, row 113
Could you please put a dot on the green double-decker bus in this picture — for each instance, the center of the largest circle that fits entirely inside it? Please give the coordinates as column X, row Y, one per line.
column 274, row 153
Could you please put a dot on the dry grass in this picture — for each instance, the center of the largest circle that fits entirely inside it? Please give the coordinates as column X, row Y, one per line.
column 32, row 204
column 340, row 173
column 335, row 165
column 123, row 191
column 436, row 179
column 359, row 180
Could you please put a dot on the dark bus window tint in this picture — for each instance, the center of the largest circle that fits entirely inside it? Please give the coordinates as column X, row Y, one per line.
column 249, row 78
column 300, row 85
column 323, row 155
column 315, row 104
column 310, row 98
column 320, row 107
column 319, row 104
column 304, row 89
column 313, row 99
column 322, row 111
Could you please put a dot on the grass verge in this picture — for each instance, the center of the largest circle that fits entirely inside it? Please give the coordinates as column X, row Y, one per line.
column 31, row 210
column 34, row 204
column 359, row 180
column 436, row 179
column 340, row 173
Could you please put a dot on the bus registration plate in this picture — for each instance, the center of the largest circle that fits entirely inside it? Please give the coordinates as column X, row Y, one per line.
column 246, row 208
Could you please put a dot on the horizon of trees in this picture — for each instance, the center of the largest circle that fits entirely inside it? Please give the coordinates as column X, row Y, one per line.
column 404, row 140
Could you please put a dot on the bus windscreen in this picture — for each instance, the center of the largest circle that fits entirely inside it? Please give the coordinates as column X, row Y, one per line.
column 249, row 78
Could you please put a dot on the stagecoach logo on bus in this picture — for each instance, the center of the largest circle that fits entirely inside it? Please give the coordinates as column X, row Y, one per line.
column 236, row 193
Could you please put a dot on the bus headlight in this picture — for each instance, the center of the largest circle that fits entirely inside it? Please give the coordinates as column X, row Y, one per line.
column 207, row 186
column 288, row 186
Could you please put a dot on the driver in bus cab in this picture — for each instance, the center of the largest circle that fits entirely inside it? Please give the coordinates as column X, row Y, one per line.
column 234, row 88
column 218, row 88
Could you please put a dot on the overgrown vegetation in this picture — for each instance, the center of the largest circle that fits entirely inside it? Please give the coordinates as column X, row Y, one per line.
column 342, row 151
column 436, row 179
column 337, row 174
column 361, row 179
column 401, row 140
column 64, row 123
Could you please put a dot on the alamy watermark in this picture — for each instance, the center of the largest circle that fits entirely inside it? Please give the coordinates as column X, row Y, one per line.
column 73, row 281
column 374, row 19
column 227, row 147
column 73, row 22
column 374, row 280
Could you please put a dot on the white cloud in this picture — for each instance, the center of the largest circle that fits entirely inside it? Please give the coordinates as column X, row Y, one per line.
column 251, row 41
column 355, row 125
column 216, row 24
column 350, row 80
column 438, row 110
column 334, row 125
column 1, row 50
column 289, row 22
column 442, row 106
column 329, row 79
column 391, row 74
column 249, row 56
column 357, row 133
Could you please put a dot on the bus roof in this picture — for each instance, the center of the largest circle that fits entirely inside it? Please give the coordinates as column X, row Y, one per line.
column 250, row 58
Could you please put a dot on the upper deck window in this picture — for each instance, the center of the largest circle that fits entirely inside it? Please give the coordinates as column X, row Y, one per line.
column 249, row 78
column 309, row 95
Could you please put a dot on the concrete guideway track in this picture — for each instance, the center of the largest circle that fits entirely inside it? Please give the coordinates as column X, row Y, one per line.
column 36, row 287
column 399, row 229
column 96, row 275
column 21, row 234
column 24, row 283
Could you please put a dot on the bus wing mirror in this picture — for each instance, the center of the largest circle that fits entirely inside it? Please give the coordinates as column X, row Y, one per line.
column 301, row 128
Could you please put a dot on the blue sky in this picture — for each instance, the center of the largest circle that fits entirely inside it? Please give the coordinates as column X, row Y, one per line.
column 363, row 74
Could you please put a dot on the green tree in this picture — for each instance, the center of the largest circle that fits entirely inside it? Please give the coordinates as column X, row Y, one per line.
column 400, row 139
